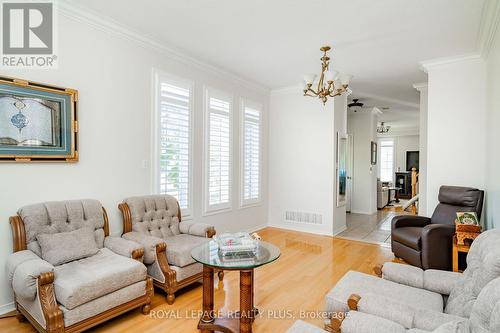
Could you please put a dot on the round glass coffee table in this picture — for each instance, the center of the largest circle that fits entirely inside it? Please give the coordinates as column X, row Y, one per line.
column 208, row 255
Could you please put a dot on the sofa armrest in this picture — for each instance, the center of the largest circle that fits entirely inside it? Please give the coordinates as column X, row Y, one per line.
column 404, row 274
column 197, row 229
column 402, row 314
column 302, row 327
column 25, row 274
column 148, row 242
column 441, row 282
column 437, row 245
column 358, row 322
column 459, row 326
column 125, row 247
column 402, row 221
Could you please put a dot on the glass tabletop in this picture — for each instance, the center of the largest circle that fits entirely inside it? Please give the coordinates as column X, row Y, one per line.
column 208, row 254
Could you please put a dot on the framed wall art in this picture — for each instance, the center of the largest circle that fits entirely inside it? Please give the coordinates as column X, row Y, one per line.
column 37, row 122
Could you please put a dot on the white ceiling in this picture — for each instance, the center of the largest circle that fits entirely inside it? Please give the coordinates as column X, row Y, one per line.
column 273, row 42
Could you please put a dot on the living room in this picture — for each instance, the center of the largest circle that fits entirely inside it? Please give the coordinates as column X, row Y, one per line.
column 169, row 128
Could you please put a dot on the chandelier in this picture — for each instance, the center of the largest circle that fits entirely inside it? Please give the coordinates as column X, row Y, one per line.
column 330, row 84
column 383, row 128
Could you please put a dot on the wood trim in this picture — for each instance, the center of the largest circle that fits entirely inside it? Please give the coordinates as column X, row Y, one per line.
column 335, row 323
column 18, row 233
column 378, row 270
column 126, row 217
column 54, row 320
column 211, row 232
column 138, row 254
column 106, row 222
column 353, row 301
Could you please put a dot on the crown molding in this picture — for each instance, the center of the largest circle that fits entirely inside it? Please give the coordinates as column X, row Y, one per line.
column 386, row 99
column 108, row 25
column 428, row 64
column 490, row 20
column 420, row 86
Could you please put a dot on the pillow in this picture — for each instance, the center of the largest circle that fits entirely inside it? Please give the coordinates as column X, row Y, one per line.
column 64, row 247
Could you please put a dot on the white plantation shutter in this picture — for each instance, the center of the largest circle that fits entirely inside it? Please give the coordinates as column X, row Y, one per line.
column 218, row 187
column 175, row 141
column 251, row 155
column 386, row 160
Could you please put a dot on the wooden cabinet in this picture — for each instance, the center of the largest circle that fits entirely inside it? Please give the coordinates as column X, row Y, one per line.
column 403, row 181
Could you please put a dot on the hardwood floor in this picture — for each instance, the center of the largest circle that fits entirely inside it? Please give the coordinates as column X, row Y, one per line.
column 309, row 267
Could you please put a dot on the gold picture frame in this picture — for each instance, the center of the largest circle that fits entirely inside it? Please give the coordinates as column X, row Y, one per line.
column 38, row 122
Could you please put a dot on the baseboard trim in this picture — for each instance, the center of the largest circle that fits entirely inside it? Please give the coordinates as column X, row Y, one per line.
column 6, row 308
column 339, row 230
column 257, row 228
column 292, row 228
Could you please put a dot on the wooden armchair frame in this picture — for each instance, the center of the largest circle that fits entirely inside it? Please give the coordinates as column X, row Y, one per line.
column 171, row 285
column 54, row 317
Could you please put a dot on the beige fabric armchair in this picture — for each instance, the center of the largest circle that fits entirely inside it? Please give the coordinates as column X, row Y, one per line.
column 67, row 273
column 409, row 299
column 155, row 222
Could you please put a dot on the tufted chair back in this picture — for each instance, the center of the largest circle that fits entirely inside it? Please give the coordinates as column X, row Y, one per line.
column 62, row 216
column 483, row 266
column 155, row 215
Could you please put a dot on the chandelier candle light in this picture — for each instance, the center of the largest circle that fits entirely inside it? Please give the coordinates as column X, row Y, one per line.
column 330, row 83
column 383, row 128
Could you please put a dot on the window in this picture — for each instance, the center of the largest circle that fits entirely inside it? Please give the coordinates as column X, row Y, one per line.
column 250, row 174
column 173, row 141
column 218, row 151
column 386, row 160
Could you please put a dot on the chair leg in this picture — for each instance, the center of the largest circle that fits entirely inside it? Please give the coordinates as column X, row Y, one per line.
column 20, row 317
column 146, row 308
column 221, row 275
column 170, row 298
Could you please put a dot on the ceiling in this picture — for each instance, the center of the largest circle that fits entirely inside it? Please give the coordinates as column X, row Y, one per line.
column 274, row 42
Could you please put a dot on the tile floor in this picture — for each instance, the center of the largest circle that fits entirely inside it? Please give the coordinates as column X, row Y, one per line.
column 375, row 228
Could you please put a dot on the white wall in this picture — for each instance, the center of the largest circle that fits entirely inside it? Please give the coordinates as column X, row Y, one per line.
column 114, row 79
column 302, row 160
column 422, row 173
column 493, row 135
column 362, row 126
column 456, row 125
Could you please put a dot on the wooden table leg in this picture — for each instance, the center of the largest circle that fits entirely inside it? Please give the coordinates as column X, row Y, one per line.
column 208, row 296
column 246, row 301
column 455, row 254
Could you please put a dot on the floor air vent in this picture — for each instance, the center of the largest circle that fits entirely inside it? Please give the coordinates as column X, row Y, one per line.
column 301, row 217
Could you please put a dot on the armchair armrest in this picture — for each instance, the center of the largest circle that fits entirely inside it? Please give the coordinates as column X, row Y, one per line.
column 148, row 242
column 409, row 221
column 24, row 268
column 125, row 247
column 197, row 229
column 437, row 245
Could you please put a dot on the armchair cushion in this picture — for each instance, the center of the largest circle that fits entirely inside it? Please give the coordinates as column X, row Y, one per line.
column 25, row 274
column 86, row 279
column 64, row 247
column 358, row 322
column 195, row 229
column 441, row 282
column 122, row 246
column 179, row 248
column 148, row 242
column 409, row 236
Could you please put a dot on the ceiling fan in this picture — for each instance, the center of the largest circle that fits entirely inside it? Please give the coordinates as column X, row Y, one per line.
column 356, row 106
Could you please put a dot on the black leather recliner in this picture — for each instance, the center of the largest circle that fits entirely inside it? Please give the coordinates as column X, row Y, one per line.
column 427, row 242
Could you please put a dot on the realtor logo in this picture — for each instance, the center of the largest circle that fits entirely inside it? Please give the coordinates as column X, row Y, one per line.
column 28, row 34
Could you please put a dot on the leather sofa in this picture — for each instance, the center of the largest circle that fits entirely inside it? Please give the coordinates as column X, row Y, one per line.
column 155, row 222
column 427, row 242
column 67, row 273
column 408, row 299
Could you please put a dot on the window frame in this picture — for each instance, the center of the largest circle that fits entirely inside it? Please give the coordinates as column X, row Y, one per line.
column 393, row 140
column 158, row 77
column 226, row 96
column 244, row 203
